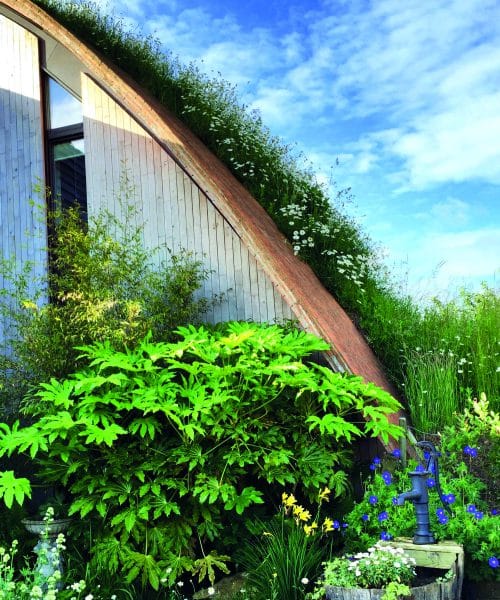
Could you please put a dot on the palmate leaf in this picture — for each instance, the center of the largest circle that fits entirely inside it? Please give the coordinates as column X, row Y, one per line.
column 145, row 425
column 12, row 487
column 208, row 489
column 163, row 507
column 82, row 505
column 128, row 517
column 247, row 497
column 144, row 565
column 98, row 436
column 109, row 552
column 205, row 567
column 174, row 565
column 333, row 425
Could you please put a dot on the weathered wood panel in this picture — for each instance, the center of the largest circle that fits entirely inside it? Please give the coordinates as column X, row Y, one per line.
column 22, row 227
column 122, row 157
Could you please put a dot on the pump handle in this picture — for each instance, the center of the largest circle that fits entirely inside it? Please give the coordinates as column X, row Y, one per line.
column 433, row 467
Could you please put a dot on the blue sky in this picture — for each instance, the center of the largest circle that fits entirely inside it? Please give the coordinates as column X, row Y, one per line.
column 405, row 94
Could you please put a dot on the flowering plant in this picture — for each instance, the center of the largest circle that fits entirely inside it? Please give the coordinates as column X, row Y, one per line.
column 380, row 567
column 288, row 554
column 465, row 516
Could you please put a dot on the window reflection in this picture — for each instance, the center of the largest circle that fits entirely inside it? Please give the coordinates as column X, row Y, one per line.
column 64, row 109
column 69, row 173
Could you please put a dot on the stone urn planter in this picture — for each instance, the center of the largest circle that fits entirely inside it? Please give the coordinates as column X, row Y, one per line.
column 48, row 557
column 53, row 529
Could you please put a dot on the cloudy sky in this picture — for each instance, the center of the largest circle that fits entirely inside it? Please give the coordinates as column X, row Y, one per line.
column 404, row 95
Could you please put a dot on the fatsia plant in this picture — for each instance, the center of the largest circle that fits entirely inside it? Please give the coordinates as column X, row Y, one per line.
column 171, row 446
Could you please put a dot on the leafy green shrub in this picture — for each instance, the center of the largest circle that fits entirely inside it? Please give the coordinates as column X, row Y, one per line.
column 170, row 447
column 104, row 285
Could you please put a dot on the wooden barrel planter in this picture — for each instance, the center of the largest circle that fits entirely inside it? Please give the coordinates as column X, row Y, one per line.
column 437, row 590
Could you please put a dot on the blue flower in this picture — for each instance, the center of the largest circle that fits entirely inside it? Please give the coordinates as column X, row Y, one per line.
column 449, row 498
column 395, row 500
column 419, row 469
column 443, row 519
column 365, row 517
column 377, row 460
column 469, row 451
column 493, row 562
column 336, row 525
column 427, row 455
column 383, row 516
column 373, row 500
column 471, row 508
column 440, row 512
column 479, row 515
column 494, row 511
column 431, row 482
column 385, row 536
column 373, row 467
column 396, row 453
column 386, row 476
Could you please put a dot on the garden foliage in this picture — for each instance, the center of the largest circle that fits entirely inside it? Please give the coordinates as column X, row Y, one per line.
column 287, row 552
column 104, row 285
column 169, row 447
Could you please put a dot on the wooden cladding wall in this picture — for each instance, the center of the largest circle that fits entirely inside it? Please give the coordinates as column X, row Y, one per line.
column 122, row 159
column 22, row 228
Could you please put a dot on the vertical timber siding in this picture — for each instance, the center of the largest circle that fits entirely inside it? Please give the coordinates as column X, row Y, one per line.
column 123, row 159
column 22, row 230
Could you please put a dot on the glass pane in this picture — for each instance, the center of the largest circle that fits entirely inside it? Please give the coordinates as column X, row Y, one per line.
column 64, row 109
column 69, row 174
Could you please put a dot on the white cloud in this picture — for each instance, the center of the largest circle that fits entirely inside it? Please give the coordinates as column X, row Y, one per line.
column 440, row 262
column 426, row 69
column 450, row 211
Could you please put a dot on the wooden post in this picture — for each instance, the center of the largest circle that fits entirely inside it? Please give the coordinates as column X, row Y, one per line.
column 402, row 441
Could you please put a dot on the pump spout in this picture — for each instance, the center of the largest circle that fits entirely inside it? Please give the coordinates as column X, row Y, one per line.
column 412, row 495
